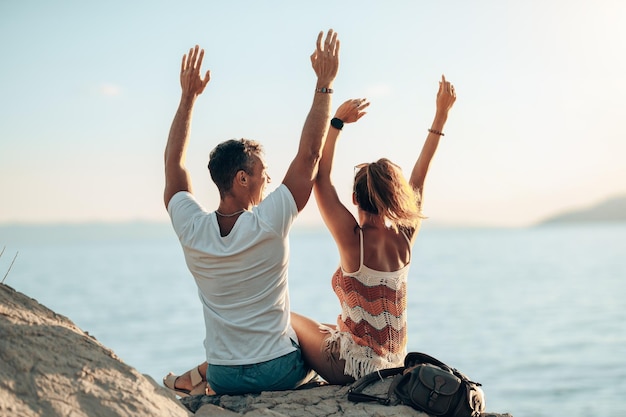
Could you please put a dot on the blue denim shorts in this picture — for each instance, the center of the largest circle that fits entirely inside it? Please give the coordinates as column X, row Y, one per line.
column 283, row 373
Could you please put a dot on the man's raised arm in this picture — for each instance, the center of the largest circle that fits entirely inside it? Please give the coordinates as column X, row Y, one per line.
column 303, row 169
column 176, row 174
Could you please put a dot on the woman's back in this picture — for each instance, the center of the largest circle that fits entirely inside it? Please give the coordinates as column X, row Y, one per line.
column 378, row 247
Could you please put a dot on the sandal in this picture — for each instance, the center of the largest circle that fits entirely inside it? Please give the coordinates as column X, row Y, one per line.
column 198, row 383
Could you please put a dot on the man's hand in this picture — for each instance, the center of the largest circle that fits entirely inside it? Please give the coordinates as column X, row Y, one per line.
column 325, row 59
column 352, row 110
column 190, row 79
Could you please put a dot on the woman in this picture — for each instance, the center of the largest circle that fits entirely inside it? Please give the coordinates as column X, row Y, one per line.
column 375, row 254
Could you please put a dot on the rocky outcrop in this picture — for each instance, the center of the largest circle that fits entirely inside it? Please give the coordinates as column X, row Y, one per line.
column 51, row 368
column 321, row 401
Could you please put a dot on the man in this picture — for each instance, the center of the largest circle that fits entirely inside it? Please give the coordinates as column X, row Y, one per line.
column 239, row 253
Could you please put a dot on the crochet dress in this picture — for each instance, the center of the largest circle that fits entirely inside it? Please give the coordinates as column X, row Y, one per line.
column 372, row 325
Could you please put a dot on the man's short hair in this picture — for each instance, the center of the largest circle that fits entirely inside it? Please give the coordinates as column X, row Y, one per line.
column 230, row 157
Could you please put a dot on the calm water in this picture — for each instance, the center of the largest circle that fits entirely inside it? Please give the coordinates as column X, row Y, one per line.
column 536, row 315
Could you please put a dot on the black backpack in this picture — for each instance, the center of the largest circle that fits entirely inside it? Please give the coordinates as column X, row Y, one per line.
column 428, row 385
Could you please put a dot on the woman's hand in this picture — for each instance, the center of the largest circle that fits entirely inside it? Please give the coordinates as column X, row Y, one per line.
column 352, row 110
column 446, row 96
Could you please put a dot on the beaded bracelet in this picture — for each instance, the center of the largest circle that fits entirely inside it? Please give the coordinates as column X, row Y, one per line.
column 324, row 90
column 436, row 132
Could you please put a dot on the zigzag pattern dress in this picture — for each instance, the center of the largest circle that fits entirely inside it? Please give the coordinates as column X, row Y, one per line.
column 372, row 325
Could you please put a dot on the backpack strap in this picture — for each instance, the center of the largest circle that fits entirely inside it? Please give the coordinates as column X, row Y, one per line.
column 392, row 388
column 355, row 392
column 415, row 358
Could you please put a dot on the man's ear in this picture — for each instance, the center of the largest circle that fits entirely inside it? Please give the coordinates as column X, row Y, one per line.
column 354, row 199
column 242, row 178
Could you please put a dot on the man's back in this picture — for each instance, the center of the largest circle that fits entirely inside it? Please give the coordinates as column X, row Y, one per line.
column 241, row 277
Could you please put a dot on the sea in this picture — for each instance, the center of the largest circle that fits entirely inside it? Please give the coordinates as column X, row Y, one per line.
column 537, row 315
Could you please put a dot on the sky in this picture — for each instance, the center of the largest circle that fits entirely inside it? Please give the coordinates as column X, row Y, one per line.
column 88, row 91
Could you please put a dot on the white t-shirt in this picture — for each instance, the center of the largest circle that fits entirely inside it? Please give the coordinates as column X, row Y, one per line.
column 241, row 277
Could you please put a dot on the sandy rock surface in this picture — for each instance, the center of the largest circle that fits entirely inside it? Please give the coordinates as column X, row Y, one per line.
column 321, row 401
column 49, row 367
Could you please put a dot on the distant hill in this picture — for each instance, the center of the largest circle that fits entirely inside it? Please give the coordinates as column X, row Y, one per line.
column 612, row 210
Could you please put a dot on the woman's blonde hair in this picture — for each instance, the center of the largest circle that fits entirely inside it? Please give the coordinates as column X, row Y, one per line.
column 381, row 189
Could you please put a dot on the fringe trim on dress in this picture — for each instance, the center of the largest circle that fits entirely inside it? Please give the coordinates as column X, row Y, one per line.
column 361, row 360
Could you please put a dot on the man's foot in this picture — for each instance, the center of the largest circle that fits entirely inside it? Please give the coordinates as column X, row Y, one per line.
column 190, row 383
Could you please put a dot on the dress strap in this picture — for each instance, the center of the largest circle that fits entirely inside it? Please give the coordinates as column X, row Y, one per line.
column 360, row 248
column 408, row 241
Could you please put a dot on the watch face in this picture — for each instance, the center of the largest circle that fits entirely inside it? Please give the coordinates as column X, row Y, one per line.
column 336, row 123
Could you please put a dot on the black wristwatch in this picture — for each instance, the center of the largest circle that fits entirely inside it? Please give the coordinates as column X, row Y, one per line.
column 336, row 123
